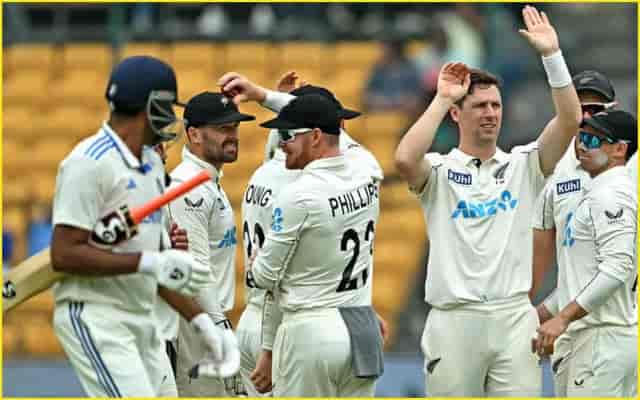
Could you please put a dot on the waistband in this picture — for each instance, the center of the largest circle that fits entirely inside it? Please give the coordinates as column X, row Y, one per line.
column 506, row 304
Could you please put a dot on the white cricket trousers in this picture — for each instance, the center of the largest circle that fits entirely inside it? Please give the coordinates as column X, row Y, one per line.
column 114, row 353
column 560, row 364
column 249, row 334
column 604, row 362
column 478, row 350
column 191, row 350
column 312, row 357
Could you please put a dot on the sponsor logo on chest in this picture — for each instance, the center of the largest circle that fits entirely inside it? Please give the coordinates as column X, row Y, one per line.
column 570, row 186
column 459, row 177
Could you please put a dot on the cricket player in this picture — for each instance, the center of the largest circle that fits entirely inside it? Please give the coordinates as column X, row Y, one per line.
column 477, row 203
column 317, row 257
column 632, row 165
column 104, row 312
column 211, row 122
column 599, row 301
column 257, row 208
column 559, row 198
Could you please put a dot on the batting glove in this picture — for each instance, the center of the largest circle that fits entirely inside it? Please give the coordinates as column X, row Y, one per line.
column 223, row 360
column 176, row 270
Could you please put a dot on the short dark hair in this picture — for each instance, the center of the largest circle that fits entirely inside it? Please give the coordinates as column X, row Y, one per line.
column 481, row 78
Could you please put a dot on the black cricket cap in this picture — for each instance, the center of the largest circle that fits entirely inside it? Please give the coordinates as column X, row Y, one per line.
column 209, row 108
column 308, row 111
column 344, row 113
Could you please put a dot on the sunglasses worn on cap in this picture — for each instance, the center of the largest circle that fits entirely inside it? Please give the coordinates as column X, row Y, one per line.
column 288, row 135
column 594, row 108
column 592, row 141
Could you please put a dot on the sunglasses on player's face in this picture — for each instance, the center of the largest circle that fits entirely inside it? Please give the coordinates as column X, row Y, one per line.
column 594, row 108
column 289, row 135
column 592, row 141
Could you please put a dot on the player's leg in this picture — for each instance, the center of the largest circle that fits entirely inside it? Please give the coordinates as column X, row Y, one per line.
column 516, row 371
column 157, row 360
column 604, row 363
column 454, row 345
column 249, row 339
column 311, row 355
column 559, row 365
column 192, row 350
column 102, row 351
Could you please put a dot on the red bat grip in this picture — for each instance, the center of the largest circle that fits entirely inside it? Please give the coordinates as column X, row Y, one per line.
column 139, row 213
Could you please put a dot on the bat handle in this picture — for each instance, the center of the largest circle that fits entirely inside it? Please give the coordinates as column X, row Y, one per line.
column 139, row 213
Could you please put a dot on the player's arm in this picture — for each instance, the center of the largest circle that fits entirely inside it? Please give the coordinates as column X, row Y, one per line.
column 192, row 213
column 615, row 250
column 544, row 238
column 556, row 136
column 241, row 90
column 271, row 319
column 289, row 218
column 453, row 83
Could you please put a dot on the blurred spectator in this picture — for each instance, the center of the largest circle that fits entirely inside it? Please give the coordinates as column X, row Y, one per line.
column 40, row 229
column 142, row 17
column 7, row 249
column 394, row 83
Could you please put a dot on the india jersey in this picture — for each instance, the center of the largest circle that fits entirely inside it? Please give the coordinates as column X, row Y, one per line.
column 479, row 216
column 98, row 176
column 257, row 206
column 601, row 238
column 318, row 252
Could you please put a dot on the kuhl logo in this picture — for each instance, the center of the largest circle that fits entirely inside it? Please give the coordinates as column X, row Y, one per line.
column 469, row 209
column 565, row 187
column 459, row 178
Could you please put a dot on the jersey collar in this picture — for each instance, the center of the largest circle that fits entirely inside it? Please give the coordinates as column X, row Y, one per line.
column 131, row 160
column 608, row 175
column 326, row 163
column 201, row 164
column 279, row 155
column 499, row 156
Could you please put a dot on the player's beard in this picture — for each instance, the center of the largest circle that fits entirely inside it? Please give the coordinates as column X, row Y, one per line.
column 216, row 153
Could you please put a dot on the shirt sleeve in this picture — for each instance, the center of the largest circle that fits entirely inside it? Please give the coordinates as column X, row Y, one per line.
column 428, row 188
column 288, row 219
column 191, row 213
column 614, row 221
column 271, row 319
column 81, row 192
column 534, row 170
column 544, row 208
column 275, row 101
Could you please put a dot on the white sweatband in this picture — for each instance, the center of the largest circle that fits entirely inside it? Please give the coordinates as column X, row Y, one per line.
column 203, row 323
column 597, row 292
column 557, row 72
column 275, row 101
column 149, row 261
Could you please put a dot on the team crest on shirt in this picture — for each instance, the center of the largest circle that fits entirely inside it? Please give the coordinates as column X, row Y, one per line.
column 500, row 172
column 573, row 185
column 459, row 178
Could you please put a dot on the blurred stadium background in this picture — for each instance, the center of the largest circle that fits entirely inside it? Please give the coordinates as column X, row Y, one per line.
column 379, row 58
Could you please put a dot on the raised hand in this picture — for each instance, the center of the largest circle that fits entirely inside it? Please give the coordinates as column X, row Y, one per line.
column 240, row 89
column 539, row 33
column 454, row 81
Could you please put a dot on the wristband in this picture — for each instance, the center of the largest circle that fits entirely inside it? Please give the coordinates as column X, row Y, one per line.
column 557, row 72
column 149, row 260
column 203, row 323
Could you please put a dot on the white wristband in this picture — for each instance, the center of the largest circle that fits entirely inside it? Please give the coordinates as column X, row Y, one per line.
column 203, row 323
column 275, row 101
column 149, row 261
column 557, row 71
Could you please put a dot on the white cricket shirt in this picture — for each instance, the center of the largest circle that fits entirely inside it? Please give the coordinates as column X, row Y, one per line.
column 98, row 176
column 479, row 219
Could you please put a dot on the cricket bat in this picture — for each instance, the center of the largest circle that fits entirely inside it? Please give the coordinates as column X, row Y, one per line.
column 35, row 274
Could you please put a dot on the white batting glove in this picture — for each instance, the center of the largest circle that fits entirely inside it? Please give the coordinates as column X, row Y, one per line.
column 223, row 360
column 176, row 270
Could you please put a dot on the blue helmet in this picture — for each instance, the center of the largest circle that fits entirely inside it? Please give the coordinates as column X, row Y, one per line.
column 144, row 83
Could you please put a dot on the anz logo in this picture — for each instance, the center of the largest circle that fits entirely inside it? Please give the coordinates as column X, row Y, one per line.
column 568, row 240
column 468, row 209
column 229, row 239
